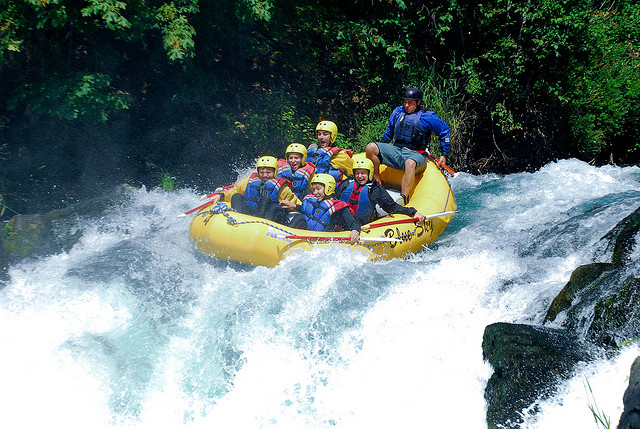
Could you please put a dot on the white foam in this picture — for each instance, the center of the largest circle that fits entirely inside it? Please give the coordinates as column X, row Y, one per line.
column 133, row 328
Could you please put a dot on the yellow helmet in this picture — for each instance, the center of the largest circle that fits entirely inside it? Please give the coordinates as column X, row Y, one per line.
column 328, row 126
column 296, row 148
column 327, row 180
column 363, row 164
column 268, row 161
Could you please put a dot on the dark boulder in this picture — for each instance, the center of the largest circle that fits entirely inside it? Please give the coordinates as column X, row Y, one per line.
column 600, row 306
column 602, row 300
column 616, row 318
column 580, row 280
column 622, row 238
column 630, row 418
column 528, row 361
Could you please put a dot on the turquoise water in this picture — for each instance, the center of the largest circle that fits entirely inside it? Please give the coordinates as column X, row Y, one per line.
column 133, row 328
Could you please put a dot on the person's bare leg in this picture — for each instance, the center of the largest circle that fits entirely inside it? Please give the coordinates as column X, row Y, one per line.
column 409, row 177
column 372, row 152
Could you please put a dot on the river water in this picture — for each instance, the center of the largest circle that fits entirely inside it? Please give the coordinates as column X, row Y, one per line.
column 133, row 328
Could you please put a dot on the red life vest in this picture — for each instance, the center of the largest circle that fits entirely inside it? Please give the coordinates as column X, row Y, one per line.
column 359, row 201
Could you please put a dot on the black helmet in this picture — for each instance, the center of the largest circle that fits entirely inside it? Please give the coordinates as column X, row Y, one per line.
column 412, row 94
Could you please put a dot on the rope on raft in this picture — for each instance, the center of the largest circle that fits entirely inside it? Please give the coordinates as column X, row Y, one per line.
column 223, row 208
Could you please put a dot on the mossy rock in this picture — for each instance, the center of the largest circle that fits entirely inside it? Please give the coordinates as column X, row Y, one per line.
column 43, row 234
column 528, row 361
column 622, row 238
column 595, row 292
column 616, row 318
column 582, row 278
column 38, row 235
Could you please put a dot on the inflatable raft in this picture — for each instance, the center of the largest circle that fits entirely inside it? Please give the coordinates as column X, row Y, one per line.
column 231, row 235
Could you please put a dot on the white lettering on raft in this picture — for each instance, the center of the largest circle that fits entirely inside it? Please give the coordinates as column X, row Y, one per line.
column 278, row 234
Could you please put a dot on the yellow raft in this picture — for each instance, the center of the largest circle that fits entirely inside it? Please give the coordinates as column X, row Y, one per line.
column 256, row 241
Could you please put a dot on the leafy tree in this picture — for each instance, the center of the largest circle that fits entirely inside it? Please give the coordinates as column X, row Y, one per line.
column 58, row 55
column 564, row 70
column 518, row 82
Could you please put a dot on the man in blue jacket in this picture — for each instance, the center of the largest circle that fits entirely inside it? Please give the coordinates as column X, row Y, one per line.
column 410, row 129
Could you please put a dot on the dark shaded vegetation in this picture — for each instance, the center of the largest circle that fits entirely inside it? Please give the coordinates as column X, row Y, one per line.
column 101, row 92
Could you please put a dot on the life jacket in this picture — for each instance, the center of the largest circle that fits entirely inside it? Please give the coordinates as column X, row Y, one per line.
column 321, row 157
column 357, row 197
column 299, row 179
column 409, row 132
column 255, row 189
column 318, row 214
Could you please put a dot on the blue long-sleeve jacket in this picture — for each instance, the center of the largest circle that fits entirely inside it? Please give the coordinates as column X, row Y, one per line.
column 428, row 121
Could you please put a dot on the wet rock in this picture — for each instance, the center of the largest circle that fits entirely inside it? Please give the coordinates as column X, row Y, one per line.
column 581, row 279
column 616, row 318
column 601, row 306
column 622, row 238
column 630, row 418
column 3, row 265
column 44, row 234
column 528, row 361
column 602, row 300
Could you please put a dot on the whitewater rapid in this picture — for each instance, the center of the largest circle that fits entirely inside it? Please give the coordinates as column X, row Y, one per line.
column 133, row 328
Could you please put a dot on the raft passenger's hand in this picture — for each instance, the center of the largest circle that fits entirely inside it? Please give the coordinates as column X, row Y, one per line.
column 215, row 199
column 287, row 204
column 420, row 216
column 354, row 237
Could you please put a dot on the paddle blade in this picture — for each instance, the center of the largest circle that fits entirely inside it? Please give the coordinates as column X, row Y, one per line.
column 195, row 209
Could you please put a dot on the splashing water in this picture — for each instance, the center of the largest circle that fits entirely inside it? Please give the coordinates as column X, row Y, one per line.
column 133, row 328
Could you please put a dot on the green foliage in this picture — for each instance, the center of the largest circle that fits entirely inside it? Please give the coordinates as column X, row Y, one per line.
column 579, row 56
column 372, row 126
column 599, row 416
column 297, row 128
column 167, row 182
column 605, row 87
column 564, row 69
column 82, row 94
column 10, row 41
column 110, row 11
column 21, row 24
column 4, row 208
column 258, row 10
column 503, row 118
column 177, row 32
column 8, row 229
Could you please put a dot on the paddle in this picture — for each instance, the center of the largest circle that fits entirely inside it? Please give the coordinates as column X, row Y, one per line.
column 411, row 219
column 218, row 191
column 445, row 166
column 196, row 209
column 204, row 197
column 311, row 237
